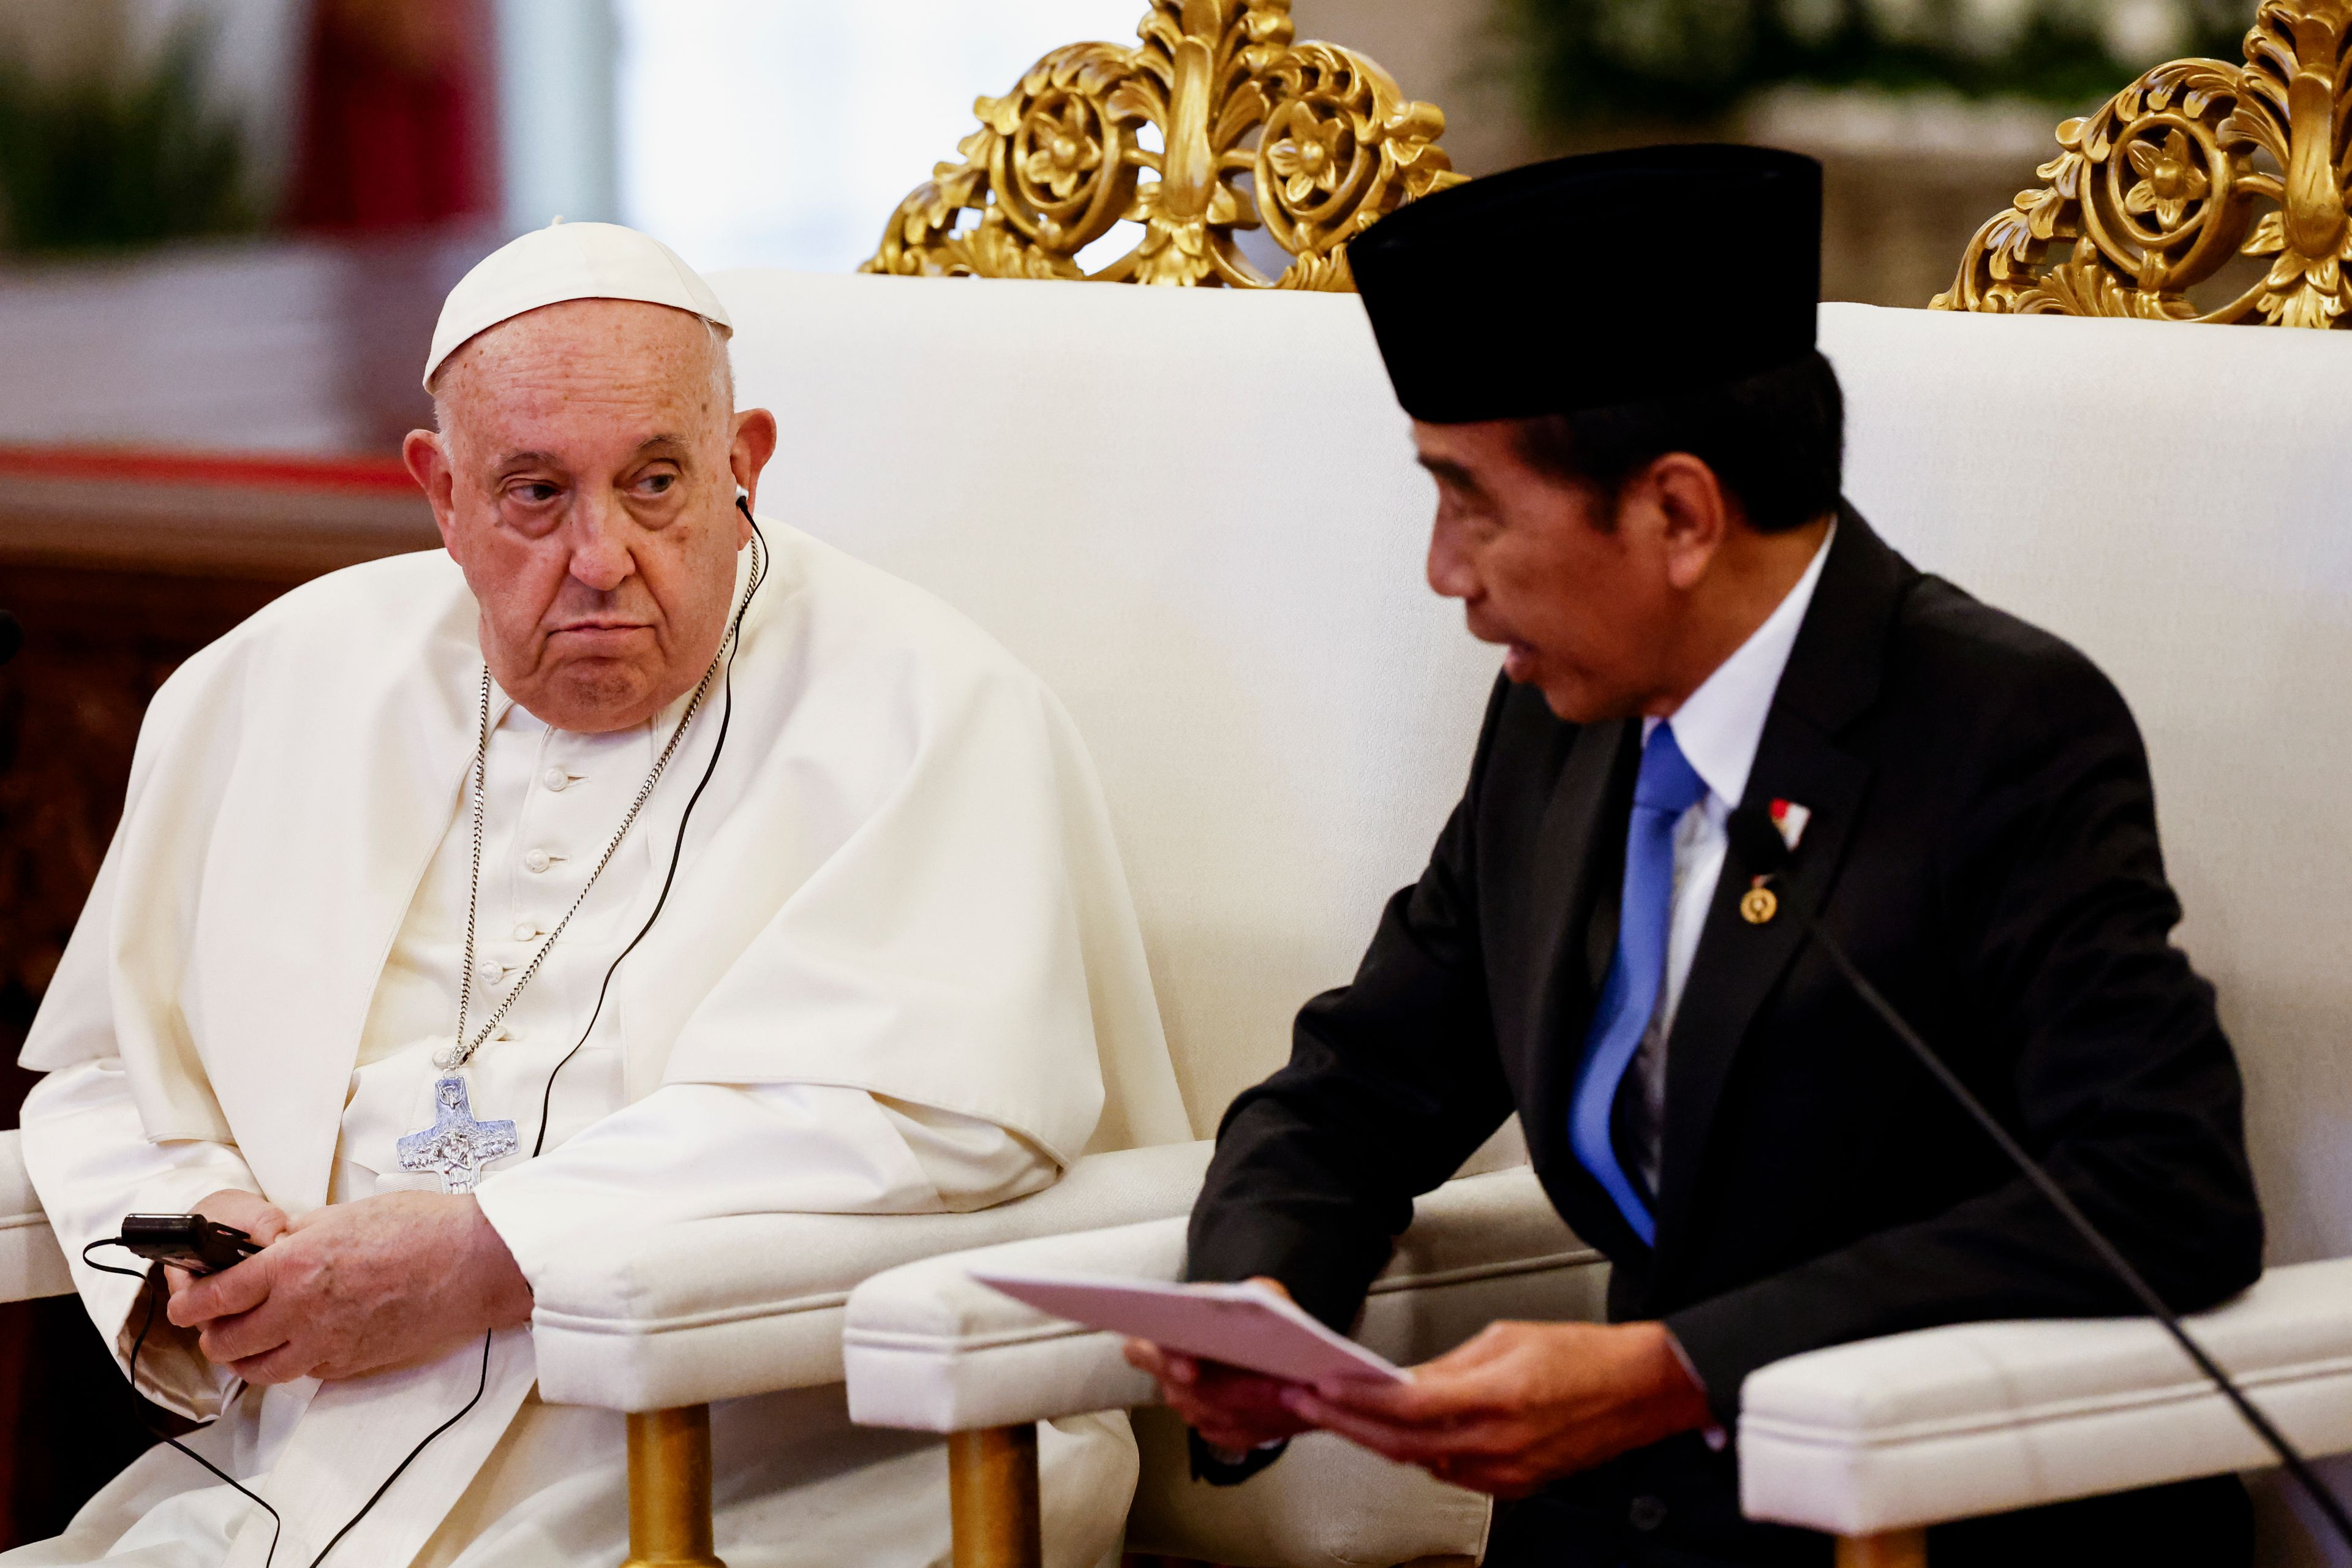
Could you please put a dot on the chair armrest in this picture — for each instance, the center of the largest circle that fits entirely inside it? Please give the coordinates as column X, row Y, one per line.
column 753, row 1303
column 1980, row 1419
column 31, row 1264
column 928, row 1347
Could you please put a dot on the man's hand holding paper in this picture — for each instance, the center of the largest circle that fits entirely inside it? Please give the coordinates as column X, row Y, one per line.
column 1233, row 1409
column 1518, row 1405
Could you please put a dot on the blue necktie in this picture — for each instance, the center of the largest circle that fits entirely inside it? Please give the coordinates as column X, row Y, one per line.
column 1666, row 788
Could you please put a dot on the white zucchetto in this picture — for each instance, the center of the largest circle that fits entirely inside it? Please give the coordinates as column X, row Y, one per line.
column 569, row 261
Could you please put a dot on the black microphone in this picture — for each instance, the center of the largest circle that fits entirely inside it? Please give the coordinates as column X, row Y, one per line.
column 1757, row 841
column 12, row 636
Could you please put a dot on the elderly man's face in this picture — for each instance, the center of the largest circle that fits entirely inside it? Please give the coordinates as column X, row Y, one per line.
column 585, row 480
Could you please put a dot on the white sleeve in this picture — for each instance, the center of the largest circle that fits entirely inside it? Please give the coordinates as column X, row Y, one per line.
column 91, row 1163
column 971, row 1164
column 694, row 1150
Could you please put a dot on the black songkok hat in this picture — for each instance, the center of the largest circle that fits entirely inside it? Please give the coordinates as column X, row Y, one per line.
column 1609, row 278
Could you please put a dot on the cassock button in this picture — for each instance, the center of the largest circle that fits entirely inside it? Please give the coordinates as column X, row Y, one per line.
column 1646, row 1514
column 524, row 931
column 558, row 780
column 538, row 860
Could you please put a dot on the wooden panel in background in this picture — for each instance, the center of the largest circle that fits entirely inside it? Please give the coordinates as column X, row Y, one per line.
column 120, row 564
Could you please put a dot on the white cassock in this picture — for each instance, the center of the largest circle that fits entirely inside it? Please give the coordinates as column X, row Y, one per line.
column 896, row 967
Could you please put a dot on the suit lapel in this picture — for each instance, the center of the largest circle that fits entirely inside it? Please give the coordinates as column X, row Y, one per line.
column 1738, row 964
column 1832, row 677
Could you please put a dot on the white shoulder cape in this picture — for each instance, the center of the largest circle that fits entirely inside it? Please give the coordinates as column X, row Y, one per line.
column 901, row 878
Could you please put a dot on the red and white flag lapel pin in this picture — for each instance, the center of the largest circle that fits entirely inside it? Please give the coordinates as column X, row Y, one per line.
column 1791, row 819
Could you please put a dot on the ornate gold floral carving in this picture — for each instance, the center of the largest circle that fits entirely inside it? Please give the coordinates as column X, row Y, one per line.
column 1061, row 159
column 2194, row 163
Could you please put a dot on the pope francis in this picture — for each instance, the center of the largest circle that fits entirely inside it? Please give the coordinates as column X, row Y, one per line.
column 629, row 862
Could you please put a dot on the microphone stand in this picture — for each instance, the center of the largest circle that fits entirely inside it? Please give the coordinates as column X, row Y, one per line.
column 1761, row 845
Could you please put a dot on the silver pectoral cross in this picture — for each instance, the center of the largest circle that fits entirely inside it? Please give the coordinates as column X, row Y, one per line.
column 455, row 1146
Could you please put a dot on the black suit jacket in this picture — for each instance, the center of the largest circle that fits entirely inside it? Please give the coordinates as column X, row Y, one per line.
column 1983, row 840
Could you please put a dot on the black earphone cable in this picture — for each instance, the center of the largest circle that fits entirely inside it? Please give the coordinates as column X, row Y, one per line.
column 279, row 1524
column 678, row 847
column 480, row 1387
column 156, row 1289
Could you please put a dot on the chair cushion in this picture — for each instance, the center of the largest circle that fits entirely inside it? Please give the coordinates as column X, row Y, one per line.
column 30, row 1264
column 1977, row 1419
column 749, row 1303
column 927, row 1346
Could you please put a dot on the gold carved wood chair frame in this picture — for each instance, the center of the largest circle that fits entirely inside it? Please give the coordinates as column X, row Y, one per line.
column 2196, row 165
column 1065, row 156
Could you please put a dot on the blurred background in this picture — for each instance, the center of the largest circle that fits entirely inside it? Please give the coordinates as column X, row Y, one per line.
column 226, row 225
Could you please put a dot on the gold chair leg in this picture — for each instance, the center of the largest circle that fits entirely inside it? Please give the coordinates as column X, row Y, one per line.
column 670, row 1490
column 992, row 1497
column 1891, row 1549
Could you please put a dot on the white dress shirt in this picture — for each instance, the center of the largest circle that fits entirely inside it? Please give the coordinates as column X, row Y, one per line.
column 1717, row 727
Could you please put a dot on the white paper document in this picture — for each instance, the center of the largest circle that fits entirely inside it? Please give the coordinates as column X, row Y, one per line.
column 1243, row 1325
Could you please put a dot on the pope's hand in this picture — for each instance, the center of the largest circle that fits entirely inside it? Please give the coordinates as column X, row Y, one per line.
column 256, row 1215
column 355, row 1287
column 1520, row 1404
column 1232, row 1409
column 259, row 1218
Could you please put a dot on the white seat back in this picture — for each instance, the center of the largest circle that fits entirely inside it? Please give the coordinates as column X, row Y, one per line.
column 1197, row 516
column 2177, row 501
